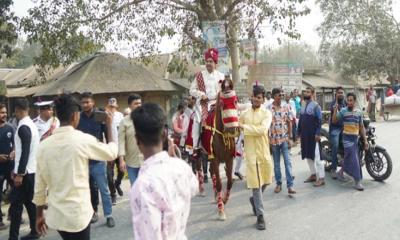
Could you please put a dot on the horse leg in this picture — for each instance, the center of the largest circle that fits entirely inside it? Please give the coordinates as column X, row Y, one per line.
column 220, row 202
column 213, row 178
column 200, row 176
column 229, row 184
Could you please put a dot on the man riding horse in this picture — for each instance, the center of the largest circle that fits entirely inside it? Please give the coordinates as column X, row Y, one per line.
column 204, row 88
column 208, row 129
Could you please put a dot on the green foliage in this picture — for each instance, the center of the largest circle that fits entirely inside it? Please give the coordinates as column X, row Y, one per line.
column 68, row 29
column 8, row 29
column 360, row 37
column 288, row 52
column 23, row 57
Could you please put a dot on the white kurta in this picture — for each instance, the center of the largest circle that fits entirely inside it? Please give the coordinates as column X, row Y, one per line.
column 211, row 82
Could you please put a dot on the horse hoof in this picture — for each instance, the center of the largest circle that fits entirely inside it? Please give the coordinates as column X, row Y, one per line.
column 221, row 216
column 201, row 194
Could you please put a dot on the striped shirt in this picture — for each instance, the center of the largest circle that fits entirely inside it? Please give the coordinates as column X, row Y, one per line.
column 351, row 121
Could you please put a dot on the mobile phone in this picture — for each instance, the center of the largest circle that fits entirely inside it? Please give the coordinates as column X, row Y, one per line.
column 100, row 116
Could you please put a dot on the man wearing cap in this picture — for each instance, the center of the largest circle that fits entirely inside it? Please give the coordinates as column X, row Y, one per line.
column 112, row 107
column 46, row 122
column 205, row 89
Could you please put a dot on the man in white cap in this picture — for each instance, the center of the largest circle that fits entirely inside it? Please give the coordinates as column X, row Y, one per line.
column 112, row 107
column 46, row 122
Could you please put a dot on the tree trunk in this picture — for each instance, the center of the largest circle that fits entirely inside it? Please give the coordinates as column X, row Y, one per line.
column 234, row 53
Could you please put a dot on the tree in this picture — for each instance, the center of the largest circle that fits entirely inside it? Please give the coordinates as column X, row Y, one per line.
column 300, row 53
column 8, row 29
column 360, row 37
column 62, row 25
column 23, row 56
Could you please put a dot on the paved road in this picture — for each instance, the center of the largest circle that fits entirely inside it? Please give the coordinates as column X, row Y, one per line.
column 335, row 211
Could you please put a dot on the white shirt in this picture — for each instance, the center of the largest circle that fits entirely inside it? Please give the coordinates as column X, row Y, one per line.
column 188, row 113
column 44, row 126
column 35, row 139
column 117, row 118
column 160, row 198
column 268, row 103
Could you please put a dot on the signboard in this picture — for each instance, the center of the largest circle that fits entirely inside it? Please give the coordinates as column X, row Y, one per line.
column 214, row 34
column 287, row 76
column 248, row 52
column 3, row 88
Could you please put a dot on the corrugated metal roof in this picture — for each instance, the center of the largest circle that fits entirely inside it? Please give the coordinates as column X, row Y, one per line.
column 323, row 81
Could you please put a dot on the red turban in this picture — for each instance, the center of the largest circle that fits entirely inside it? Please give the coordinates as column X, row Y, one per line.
column 211, row 53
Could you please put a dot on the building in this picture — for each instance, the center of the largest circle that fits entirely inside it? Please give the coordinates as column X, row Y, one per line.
column 103, row 74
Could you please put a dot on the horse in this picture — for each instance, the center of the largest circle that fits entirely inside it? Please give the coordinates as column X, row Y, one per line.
column 222, row 151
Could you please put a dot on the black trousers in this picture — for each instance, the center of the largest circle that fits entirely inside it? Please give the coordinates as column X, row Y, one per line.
column 19, row 197
column 94, row 193
column 110, row 177
column 82, row 235
column 3, row 178
column 202, row 162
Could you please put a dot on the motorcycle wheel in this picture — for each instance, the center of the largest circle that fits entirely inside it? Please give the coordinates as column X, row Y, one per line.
column 326, row 154
column 379, row 164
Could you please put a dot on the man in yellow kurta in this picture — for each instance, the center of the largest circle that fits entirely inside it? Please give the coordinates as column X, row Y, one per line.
column 255, row 123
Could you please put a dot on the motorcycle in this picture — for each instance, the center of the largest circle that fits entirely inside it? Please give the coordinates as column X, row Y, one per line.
column 376, row 159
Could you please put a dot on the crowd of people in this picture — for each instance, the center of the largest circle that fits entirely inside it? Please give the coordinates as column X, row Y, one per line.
column 90, row 144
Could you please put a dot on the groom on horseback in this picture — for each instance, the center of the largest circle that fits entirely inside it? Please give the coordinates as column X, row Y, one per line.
column 204, row 88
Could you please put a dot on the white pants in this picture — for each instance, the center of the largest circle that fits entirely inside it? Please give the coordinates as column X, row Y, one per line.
column 316, row 166
column 239, row 149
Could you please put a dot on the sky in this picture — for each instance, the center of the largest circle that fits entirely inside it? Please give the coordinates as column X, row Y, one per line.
column 306, row 26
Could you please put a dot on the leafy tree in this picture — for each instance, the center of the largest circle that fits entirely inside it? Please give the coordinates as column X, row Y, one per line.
column 61, row 26
column 23, row 57
column 8, row 29
column 360, row 37
column 288, row 52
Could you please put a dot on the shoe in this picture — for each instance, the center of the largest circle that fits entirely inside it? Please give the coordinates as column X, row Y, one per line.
column 260, row 223
column 278, row 188
column 114, row 200
column 358, row 186
column 291, row 191
column 253, row 206
column 2, row 226
column 340, row 177
column 333, row 174
column 319, row 183
column 205, row 179
column 30, row 236
column 110, row 222
column 311, row 178
column 95, row 218
column 119, row 190
column 239, row 175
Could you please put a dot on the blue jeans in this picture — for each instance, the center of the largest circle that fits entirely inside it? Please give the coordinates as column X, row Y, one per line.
column 98, row 174
column 132, row 174
column 276, row 153
column 334, row 137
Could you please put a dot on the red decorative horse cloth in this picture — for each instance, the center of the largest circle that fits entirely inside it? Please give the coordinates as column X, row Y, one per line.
column 230, row 116
column 207, row 133
column 189, row 136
